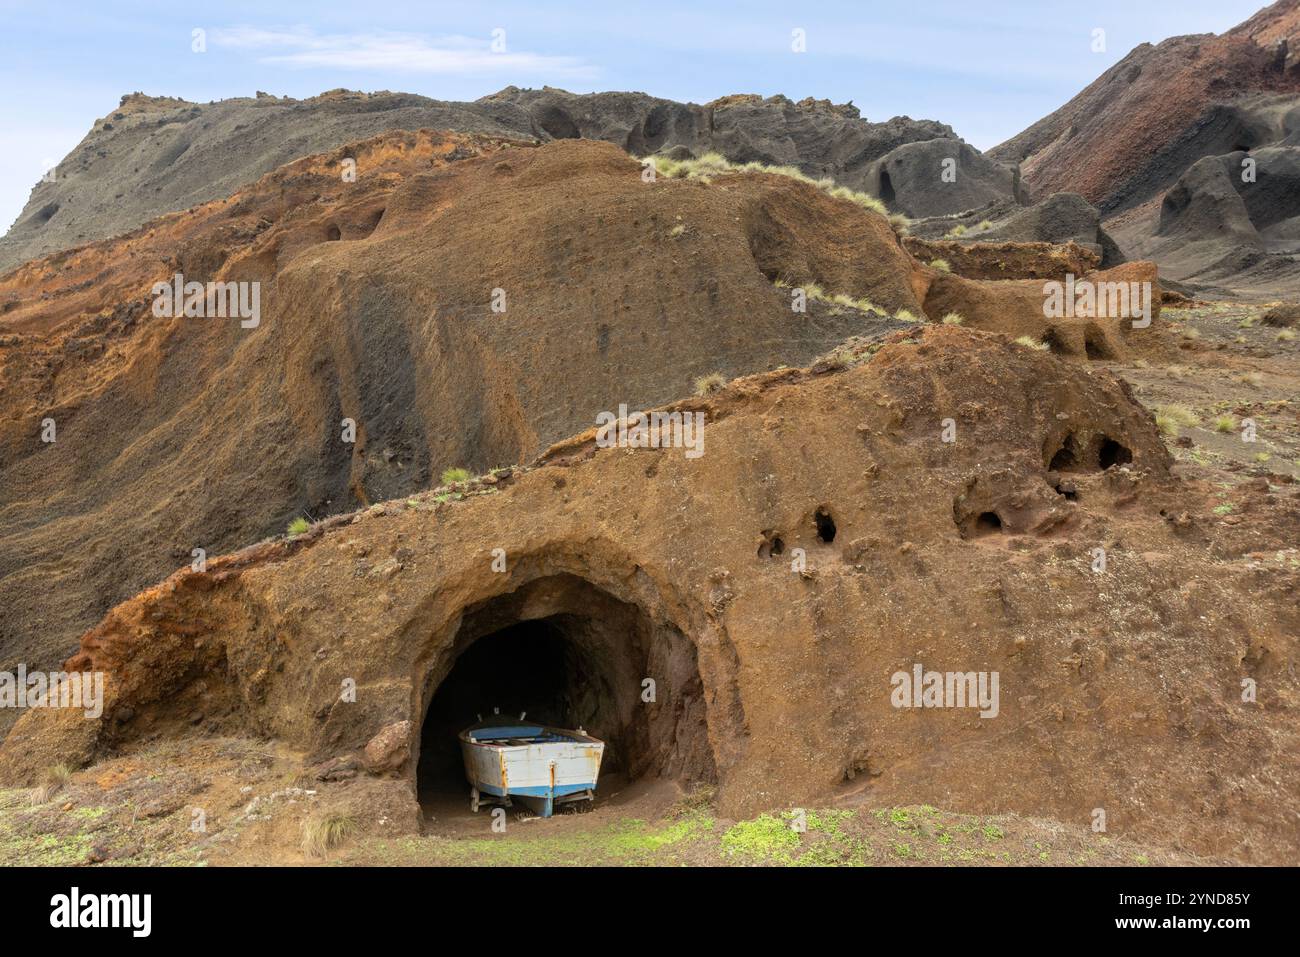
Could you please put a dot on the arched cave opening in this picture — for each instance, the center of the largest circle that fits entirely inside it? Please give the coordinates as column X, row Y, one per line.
column 887, row 195
column 1111, row 453
column 570, row 655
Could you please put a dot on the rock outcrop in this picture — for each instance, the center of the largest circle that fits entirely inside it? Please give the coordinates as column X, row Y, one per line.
column 829, row 538
column 1129, row 135
column 155, row 155
column 1189, row 150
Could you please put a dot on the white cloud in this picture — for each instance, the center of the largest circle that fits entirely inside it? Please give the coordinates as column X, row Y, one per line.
column 303, row 48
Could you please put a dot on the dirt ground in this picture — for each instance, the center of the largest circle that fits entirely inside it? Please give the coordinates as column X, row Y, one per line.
column 1229, row 367
column 141, row 809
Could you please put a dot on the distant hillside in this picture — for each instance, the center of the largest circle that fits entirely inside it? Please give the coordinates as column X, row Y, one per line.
column 1131, row 133
column 155, row 155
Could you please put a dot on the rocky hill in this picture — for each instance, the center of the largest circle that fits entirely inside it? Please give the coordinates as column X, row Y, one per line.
column 1158, row 144
column 771, row 601
column 299, row 453
column 155, row 155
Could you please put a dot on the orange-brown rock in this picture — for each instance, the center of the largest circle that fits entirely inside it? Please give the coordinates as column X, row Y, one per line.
column 1133, row 131
column 1122, row 297
column 1009, row 260
column 842, row 526
column 377, row 305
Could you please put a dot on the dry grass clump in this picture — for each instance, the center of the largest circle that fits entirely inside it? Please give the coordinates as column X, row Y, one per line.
column 56, row 778
column 323, row 832
column 1172, row 419
column 715, row 164
column 709, row 384
column 864, row 305
column 1033, row 343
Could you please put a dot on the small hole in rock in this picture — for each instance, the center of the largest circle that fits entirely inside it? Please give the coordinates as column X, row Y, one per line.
column 825, row 526
column 1095, row 345
column 988, row 523
column 1113, row 453
column 1065, row 458
column 1054, row 343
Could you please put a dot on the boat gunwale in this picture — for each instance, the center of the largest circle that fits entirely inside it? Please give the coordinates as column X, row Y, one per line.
column 570, row 737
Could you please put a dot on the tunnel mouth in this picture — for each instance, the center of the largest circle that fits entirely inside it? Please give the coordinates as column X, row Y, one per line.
column 568, row 655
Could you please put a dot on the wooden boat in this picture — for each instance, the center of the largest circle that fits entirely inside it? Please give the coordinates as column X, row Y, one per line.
column 539, row 765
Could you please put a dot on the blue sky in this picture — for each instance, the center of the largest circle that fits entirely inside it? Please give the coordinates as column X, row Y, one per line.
column 988, row 69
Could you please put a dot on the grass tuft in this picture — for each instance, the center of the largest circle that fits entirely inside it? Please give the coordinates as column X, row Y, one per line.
column 1171, row 419
column 715, row 164
column 709, row 384
column 324, row 832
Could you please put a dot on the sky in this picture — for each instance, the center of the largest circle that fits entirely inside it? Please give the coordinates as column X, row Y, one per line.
column 987, row 69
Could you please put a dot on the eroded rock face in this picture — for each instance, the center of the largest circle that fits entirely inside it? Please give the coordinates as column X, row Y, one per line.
column 939, row 177
column 379, row 305
column 1129, row 135
column 828, row 539
column 1230, row 225
column 1121, row 299
column 155, row 155
column 818, row 137
column 1060, row 218
column 1205, row 205
column 1006, row 260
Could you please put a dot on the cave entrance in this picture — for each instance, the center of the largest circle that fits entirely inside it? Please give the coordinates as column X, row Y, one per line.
column 570, row 655
column 887, row 195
